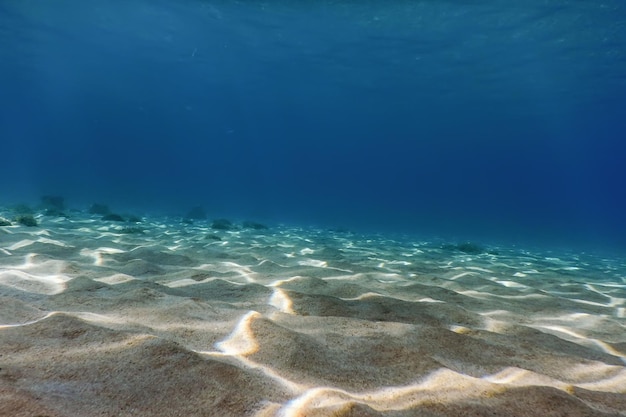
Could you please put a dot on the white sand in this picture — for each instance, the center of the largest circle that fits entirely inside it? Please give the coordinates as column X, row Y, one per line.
column 292, row 322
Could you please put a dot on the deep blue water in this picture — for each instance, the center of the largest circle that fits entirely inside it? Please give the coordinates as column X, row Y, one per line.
column 483, row 117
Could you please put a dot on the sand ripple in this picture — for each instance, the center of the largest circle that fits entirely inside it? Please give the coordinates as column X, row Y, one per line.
column 294, row 322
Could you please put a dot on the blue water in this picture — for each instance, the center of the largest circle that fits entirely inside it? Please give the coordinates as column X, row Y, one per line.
column 483, row 118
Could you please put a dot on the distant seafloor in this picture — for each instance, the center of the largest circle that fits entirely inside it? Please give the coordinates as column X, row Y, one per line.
column 102, row 314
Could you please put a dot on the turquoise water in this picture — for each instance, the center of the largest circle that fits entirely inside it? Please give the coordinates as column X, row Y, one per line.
column 485, row 120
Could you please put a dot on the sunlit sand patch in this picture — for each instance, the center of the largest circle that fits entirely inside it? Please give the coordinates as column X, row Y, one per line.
column 21, row 244
column 47, row 284
column 403, row 263
column 281, row 301
column 507, row 376
column 384, row 265
column 585, row 373
column 576, row 337
column 615, row 383
column 53, row 242
column 460, row 329
column 184, row 283
column 241, row 340
column 475, row 268
column 364, row 296
column 462, row 274
column 386, row 278
column 96, row 254
column 511, row 284
column 351, row 277
column 35, row 266
column 115, row 279
column 496, row 325
column 313, row 262
column 230, row 267
column 517, row 377
column 591, row 303
column 606, row 292
column 429, row 300
column 99, row 318
column 279, row 282
column 581, row 321
column 441, row 386
column 488, row 295
column 5, row 326
column 610, row 285
column 84, row 315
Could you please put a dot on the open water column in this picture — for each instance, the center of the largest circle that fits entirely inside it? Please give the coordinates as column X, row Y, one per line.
column 328, row 208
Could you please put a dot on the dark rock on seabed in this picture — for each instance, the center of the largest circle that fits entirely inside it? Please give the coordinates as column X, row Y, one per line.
column 26, row 220
column 113, row 218
column 222, row 224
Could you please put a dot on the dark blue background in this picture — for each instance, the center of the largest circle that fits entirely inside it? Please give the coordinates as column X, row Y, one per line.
column 486, row 119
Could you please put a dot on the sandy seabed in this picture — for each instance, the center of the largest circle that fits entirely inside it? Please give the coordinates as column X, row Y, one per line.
column 97, row 319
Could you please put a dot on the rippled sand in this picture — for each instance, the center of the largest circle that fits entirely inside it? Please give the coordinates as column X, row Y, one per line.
column 301, row 322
